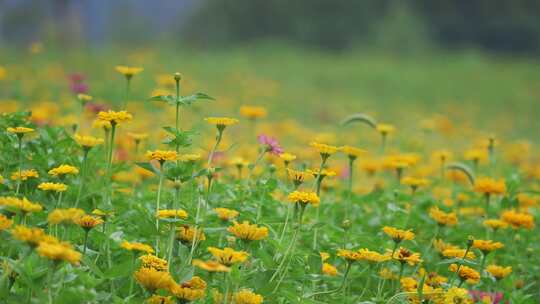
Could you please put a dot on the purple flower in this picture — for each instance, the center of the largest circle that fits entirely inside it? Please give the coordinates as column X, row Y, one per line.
column 76, row 78
column 79, row 88
column 272, row 145
column 479, row 296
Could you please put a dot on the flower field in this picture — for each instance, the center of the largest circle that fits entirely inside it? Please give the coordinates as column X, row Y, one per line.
column 158, row 177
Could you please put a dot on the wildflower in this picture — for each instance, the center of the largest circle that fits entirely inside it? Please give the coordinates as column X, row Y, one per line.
column 370, row 166
column 349, row 255
column 228, row 256
column 211, row 266
column 324, row 173
column 324, row 150
column 239, row 163
column 156, row 299
column 287, row 157
column 495, row 224
column 186, row 234
column 398, row 235
column 486, row 246
column 324, row 256
column 5, row 222
column 84, row 98
column 57, row 187
column 128, row 71
column 138, row 137
column 189, row 157
column 135, row 246
column 404, row 255
column 88, row 222
column 87, row 142
column 304, row 198
column 458, row 253
column 152, row 261
column 442, row 218
column 298, row 177
column 59, row 216
column 352, row 152
column 226, row 214
column 101, row 124
column 488, row 186
column 486, row 297
column 248, row 232
column 441, row 156
column 59, row 251
column 253, row 112
column 25, row 175
column 270, row 144
column 518, row 219
column 172, row 213
column 466, row 273
column 372, row 256
column 329, row 269
column 499, row 272
column 221, row 122
column 32, row 236
column 191, row 290
column 387, row 274
column 23, row 205
column 385, row 129
column 414, row 182
column 245, row 296
column 114, row 117
column 476, row 155
column 456, row 295
column 162, row 156
column 20, row 131
column 62, row 170
column 152, row 279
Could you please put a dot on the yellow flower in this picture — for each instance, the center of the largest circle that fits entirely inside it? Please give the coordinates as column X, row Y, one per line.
column 101, row 124
column 32, row 236
column 324, row 149
column 486, row 246
column 59, row 216
column 25, row 175
column 221, row 122
column 324, row 173
column 298, row 177
column 253, row 112
column 88, row 222
column 495, row 224
column 404, row 255
column 287, row 157
column 87, row 142
column 172, row 213
column 84, row 98
column 191, row 290
column 372, row 256
column 476, row 155
column 466, row 273
column 114, row 117
column 304, row 198
column 248, row 232
column 186, row 234
column 441, row 156
column 135, row 246
column 489, row 186
column 57, row 187
column 156, row 299
column 414, row 182
column 499, row 272
column 153, row 280
column 162, row 156
column 385, row 129
column 211, row 266
column 128, row 71
column 137, row 137
column 152, row 261
column 458, row 253
column 442, row 218
column 518, row 219
column 456, row 295
column 20, row 130
column 63, row 170
column 239, row 162
column 228, row 256
column 5, row 222
column 245, row 296
column 329, row 269
column 349, row 255
column 226, row 214
column 352, row 152
column 398, row 235
column 23, row 205
column 189, row 157
column 59, row 251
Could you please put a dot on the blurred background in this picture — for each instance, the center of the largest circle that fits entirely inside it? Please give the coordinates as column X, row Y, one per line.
column 472, row 62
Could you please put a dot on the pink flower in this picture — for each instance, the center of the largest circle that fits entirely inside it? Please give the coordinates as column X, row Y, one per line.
column 271, row 144
column 96, row 107
column 479, row 296
column 79, row 88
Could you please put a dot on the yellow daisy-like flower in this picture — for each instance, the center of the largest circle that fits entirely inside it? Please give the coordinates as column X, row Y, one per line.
column 458, row 253
column 211, row 266
column 162, row 156
column 349, row 255
column 404, row 255
column 324, row 149
column 32, row 236
column 101, row 124
column 304, row 198
column 398, row 235
column 372, row 256
column 186, row 234
column 239, row 162
column 442, row 218
column 385, row 129
column 135, row 246
column 57, row 187
column 138, row 137
column 21, row 204
column 226, row 214
column 287, row 157
column 495, row 224
column 84, row 98
column 59, row 251
column 87, row 142
column 172, row 213
column 298, row 177
column 157, row 299
column 245, row 296
column 115, row 117
column 329, row 269
column 24, row 175
column 518, row 219
column 248, row 232
column 352, row 152
column 5, row 222
column 191, row 290
column 228, row 256
column 128, row 71
column 152, row 279
column 441, row 156
column 489, row 186
column 63, row 170
column 189, row 157
column 20, row 130
column 499, row 272
column 59, row 216
column 456, row 295
column 152, row 261
column 253, row 112
column 414, row 182
column 466, row 273
column 88, row 222
column 476, row 155
column 221, row 122
column 486, row 246
column 324, row 173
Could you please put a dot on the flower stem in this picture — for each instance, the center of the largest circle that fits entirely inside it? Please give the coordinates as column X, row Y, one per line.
column 86, row 231
column 158, row 199
column 83, row 175
column 19, row 180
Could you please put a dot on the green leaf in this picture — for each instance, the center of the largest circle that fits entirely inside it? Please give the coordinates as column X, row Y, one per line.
column 360, row 117
column 147, row 166
column 188, row 100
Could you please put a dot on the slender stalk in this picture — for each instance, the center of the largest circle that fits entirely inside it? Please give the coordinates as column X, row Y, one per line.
column 86, row 231
column 109, row 165
column 19, row 180
column 341, row 286
column 158, row 199
column 82, row 179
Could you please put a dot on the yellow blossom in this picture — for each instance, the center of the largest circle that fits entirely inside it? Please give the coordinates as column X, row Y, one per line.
column 253, row 112
column 57, row 187
column 226, row 214
column 135, row 246
column 228, row 256
column 398, row 235
column 248, row 232
column 63, row 170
